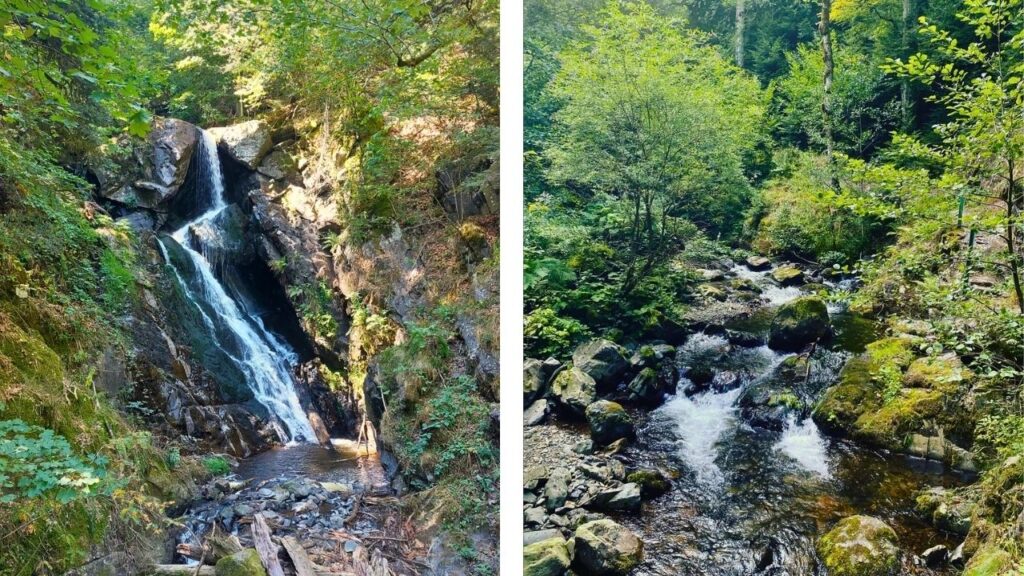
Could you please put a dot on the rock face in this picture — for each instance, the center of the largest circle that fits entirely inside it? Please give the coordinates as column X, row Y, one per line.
column 602, row 360
column 247, row 142
column 608, row 422
column 799, row 323
column 546, row 558
column 574, row 389
column 860, row 546
column 146, row 179
column 604, row 547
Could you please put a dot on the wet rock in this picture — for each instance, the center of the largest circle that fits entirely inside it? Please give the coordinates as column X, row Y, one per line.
column 653, row 483
column 604, row 547
column 652, row 356
column 244, row 563
column 788, row 275
column 758, row 263
column 602, row 360
column 799, row 323
column 546, row 558
column 744, row 285
column 860, row 546
column 725, row 381
column 948, row 510
column 743, row 339
column 625, row 498
column 536, row 413
column 646, row 387
column 935, row 556
column 247, row 142
column 574, row 389
column 608, row 422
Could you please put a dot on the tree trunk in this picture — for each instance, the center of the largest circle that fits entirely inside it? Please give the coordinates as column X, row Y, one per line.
column 825, row 30
column 741, row 26
column 1011, row 236
column 905, row 108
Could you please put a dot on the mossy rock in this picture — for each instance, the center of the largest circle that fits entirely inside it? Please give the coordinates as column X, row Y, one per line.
column 858, row 391
column 608, row 422
column 546, row 558
column 788, row 275
column 945, row 373
column 244, row 563
column 990, row 560
column 604, row 547
column 799, row 323
column 602, row 360
column 889, row 424
column 860, row 546
column 652, row 482
column 574, row 389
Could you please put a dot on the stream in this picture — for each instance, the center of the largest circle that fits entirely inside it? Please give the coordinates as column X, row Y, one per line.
column 752, row 501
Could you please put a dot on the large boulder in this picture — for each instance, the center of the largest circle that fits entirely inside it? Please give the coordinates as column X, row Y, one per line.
column 174, row 142
column 608, row 422
column 860, row 546
column 604, row 547
column 574, row 390
column 548, row 557
column 799, row 323
column 602, row 360
column 247, row 142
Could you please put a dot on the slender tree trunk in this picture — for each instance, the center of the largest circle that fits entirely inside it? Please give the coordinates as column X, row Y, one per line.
column 741, row 26
column 1011, row 236
column 905, row 110
column 825, row 30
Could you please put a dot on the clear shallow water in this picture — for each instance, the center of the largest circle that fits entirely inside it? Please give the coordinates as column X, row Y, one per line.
column 343, row 464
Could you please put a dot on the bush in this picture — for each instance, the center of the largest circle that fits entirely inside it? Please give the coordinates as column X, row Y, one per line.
column 217, row 466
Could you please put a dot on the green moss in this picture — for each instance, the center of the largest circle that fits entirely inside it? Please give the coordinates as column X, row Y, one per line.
column 244, row 563
column 897, row 351
column 888, row 424
column 946, row 373
column 860, row 546
column 787, row 399
column 546, row 558
column 990, row 560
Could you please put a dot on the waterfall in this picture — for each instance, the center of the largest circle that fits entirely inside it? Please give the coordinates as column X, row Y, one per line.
column 264, row 359
column 803, row 442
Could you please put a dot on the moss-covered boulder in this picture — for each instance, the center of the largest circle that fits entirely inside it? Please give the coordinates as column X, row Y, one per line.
column 608, row 422
column 602, row 360
column 652, row 483
column 788, row 275
column 948, row 510
column 799, row 323
column 944, row 373
column 574, row 390
column 861, row 386
column 990, row 560
column 604, row 547
column 546, row 558
column 244, row 563
column 758, row 263
column 860, row 546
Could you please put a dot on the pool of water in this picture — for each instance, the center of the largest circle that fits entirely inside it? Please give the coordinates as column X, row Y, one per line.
column 344, row 463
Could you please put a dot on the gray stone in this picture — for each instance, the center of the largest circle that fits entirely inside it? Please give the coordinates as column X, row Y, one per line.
column 602, row 360
column 247, row 142
column 536, row 413
column 604, row 547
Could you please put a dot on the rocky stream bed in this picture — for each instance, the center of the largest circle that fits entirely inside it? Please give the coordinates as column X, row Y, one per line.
column 729, row 452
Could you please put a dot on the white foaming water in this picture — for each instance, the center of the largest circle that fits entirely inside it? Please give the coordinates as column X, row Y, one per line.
column 700, row 422
column 803, row 443
column 771, row 293
column 266, row 361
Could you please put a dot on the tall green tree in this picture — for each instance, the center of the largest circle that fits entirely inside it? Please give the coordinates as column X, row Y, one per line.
column 656, row 118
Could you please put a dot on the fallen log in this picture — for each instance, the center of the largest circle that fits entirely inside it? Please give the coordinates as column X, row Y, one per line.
column 303, row 565
column 179, row 570
column 265, row 546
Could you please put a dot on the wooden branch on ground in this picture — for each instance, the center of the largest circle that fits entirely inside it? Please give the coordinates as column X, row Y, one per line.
column 265, row 547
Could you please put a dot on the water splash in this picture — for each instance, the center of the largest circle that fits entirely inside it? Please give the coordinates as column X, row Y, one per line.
column 700, row 422
column 264, row 359
column 804, row 443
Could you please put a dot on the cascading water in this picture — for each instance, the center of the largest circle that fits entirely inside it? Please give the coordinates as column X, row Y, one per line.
column 264, row 360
